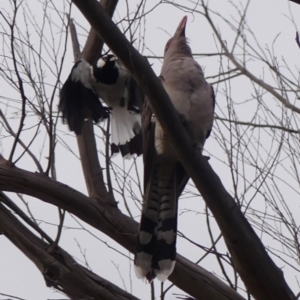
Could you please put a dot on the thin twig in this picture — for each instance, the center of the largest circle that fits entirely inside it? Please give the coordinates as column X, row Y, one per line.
column 11, row 132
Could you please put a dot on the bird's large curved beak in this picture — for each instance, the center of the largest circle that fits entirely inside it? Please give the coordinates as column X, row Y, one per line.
column 180, row 31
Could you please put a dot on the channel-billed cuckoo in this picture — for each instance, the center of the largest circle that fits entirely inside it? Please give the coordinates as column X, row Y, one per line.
column 164, row 175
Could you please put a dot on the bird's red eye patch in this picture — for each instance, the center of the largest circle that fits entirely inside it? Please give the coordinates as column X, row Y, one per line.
column 168, row 44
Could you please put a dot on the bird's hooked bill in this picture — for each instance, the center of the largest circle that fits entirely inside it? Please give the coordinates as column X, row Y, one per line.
column 180, row 31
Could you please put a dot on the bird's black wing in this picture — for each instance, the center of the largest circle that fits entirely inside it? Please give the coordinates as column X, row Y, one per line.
column 78, row 102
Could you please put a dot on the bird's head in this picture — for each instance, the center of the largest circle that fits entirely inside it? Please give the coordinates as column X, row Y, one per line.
column 106, row 69
column 178, row 43
column 107, row 61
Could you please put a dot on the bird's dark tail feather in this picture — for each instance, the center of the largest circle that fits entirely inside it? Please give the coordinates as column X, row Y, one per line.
column 134, row 146
column 156, row 245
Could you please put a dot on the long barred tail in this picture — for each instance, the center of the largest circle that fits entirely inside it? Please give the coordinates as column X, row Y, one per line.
column 165, row 252
column 156, row 245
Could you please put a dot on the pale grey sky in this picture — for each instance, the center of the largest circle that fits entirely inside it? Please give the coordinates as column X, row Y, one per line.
column 268, row 19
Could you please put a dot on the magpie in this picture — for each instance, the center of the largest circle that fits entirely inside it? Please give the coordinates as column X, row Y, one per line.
column 108, row 80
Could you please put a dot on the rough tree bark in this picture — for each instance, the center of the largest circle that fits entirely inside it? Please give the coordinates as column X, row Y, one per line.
column 59, row 269
column 191, row 278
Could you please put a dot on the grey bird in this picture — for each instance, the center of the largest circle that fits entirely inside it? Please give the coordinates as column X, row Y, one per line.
column 164, row 175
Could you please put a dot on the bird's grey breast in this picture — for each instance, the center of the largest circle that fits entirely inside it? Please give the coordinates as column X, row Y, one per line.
column 184, row 81
column 191, row 95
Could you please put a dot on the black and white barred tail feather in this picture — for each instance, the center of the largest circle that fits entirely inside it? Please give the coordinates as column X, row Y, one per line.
column 164, row 176
column 156, row 245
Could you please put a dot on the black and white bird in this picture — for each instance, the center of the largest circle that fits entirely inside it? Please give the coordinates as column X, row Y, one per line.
column 164, row 175
column 108, row 80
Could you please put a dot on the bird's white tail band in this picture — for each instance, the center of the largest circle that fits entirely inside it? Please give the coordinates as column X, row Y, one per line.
column 124, row 125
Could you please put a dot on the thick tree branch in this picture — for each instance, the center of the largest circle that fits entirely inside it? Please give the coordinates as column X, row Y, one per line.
column 86, row 141
column 59, row 269
column 101, row 215
column 296, row 1
column 259, row 273
column 94, row 44
column 191, row 278
column 90, row 164
column 11, row 205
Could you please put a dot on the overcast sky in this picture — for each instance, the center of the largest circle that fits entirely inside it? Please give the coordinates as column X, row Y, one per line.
column 268, row 19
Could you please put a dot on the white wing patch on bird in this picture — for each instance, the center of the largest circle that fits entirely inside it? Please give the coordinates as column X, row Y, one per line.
column 123, row 125
column 101, row 63
column 82, row 73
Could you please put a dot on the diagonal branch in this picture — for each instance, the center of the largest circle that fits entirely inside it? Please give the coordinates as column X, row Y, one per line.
column 296, row 1
column 86, row 141
column 189, row 277
column 59, row 269
column 262, row 277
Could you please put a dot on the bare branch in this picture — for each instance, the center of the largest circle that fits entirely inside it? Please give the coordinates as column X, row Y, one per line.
column 256, row 268
column 245, row 71
column 191, row 278
column 60, row 270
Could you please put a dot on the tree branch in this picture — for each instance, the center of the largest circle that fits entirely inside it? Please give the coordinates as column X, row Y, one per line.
column 296, row 1
column 251, row 260
column 59, row 269
column 285, row 101
column 86, row 141
column 189, row 277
